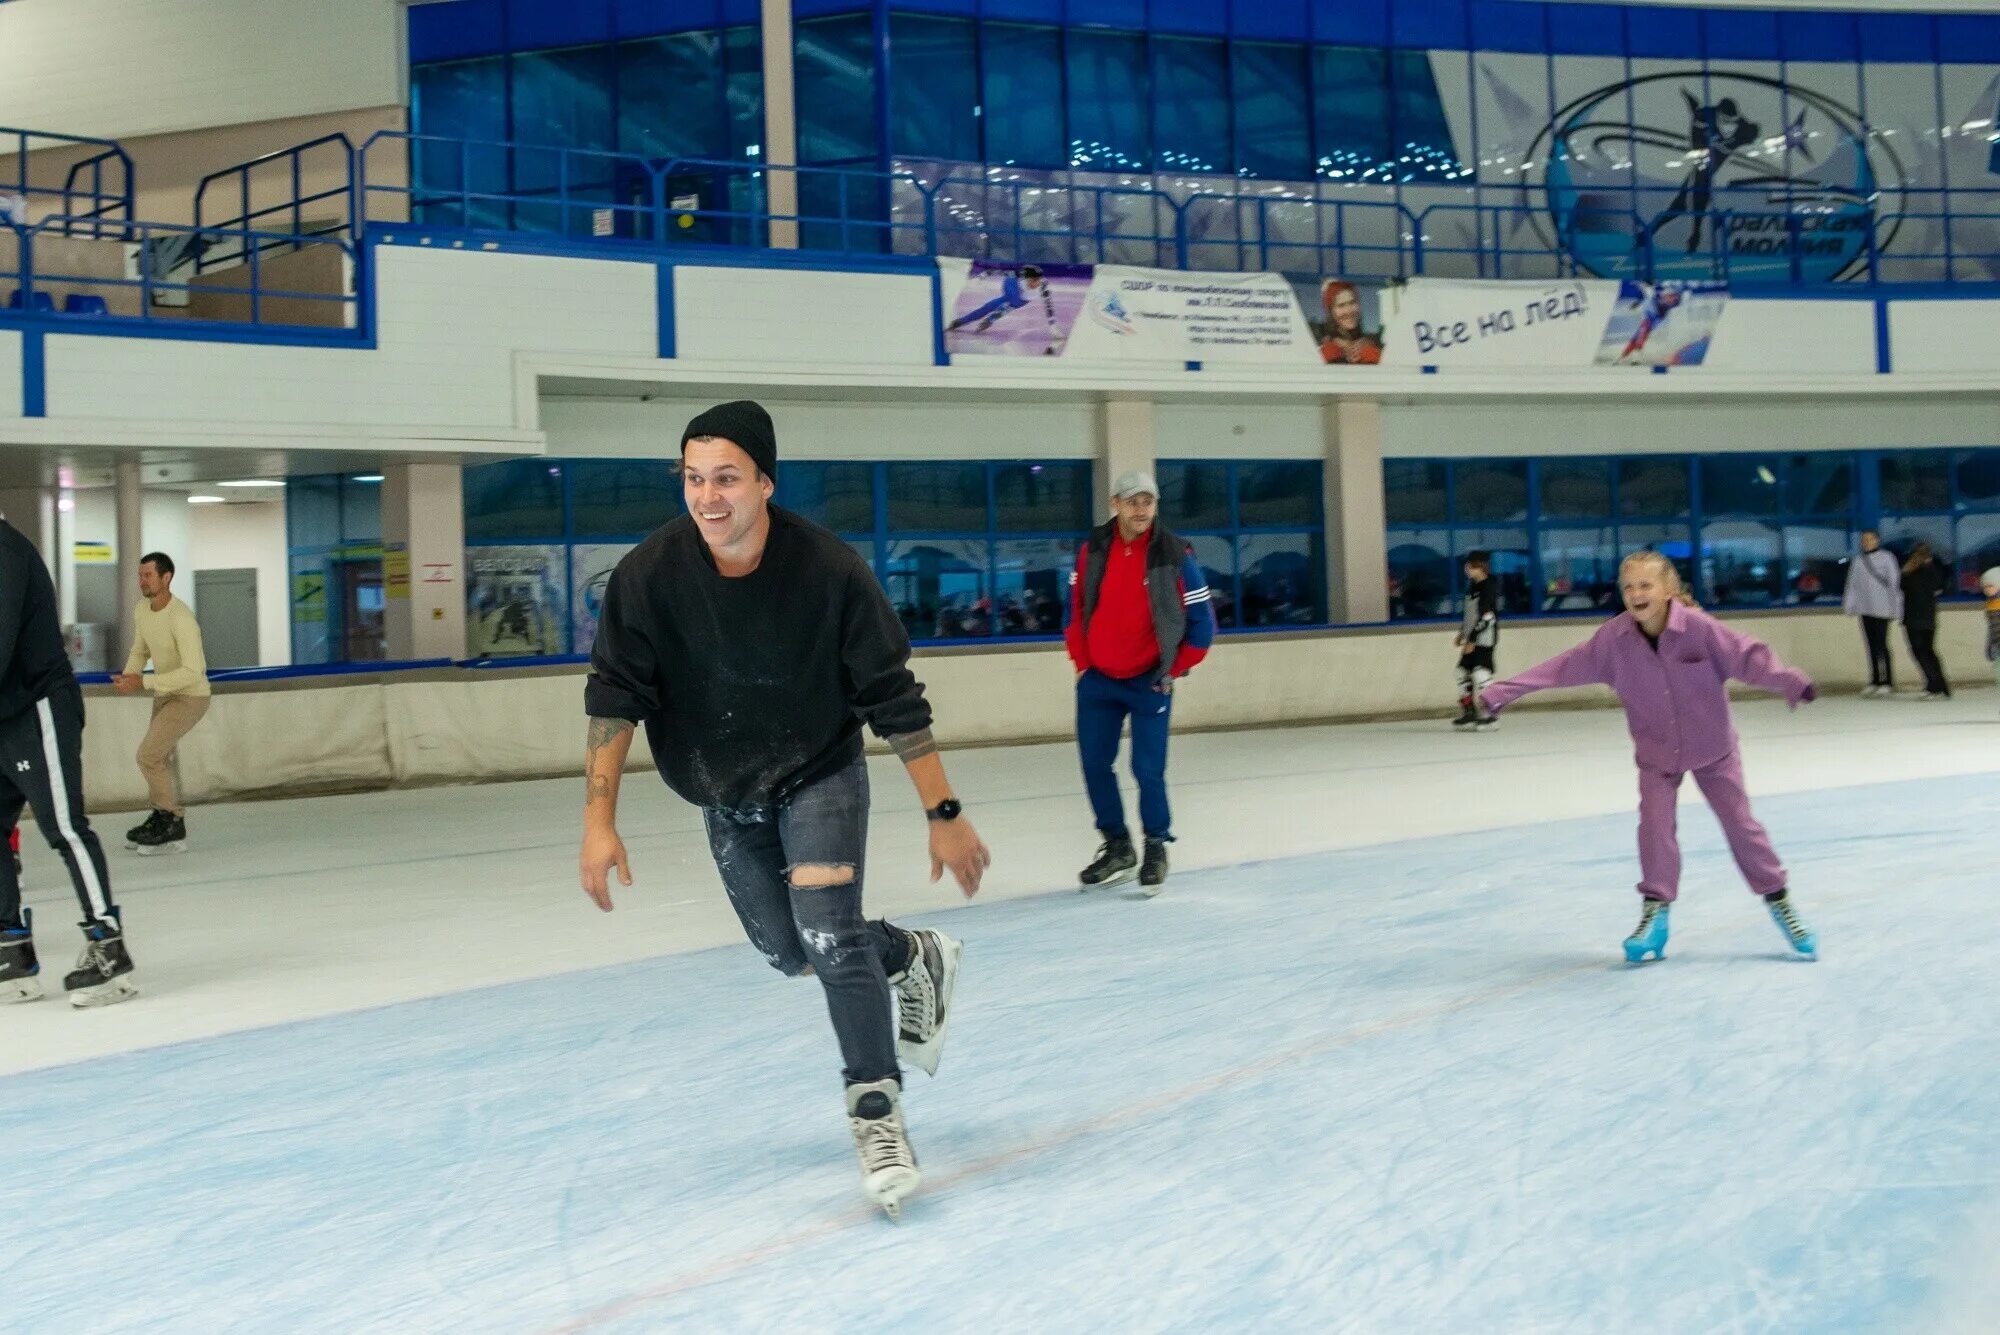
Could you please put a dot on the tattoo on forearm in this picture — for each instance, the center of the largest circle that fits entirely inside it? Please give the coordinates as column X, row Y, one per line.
column 913, row 746
column 603, row 732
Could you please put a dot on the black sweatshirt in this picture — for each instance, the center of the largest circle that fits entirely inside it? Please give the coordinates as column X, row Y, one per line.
column 751, row 688
column 1922, row 588
column 34, row 663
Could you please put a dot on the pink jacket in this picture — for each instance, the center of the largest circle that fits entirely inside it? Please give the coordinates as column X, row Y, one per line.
column 1676, row 698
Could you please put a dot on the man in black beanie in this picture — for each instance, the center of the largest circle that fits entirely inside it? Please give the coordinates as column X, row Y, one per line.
column 753, row 645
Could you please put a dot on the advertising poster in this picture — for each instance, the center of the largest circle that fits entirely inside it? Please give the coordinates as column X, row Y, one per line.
column 1460, row 322
column 1662, row 324
column 1174, row 316
column 1346, row 320
column 590, row 568
column 1016, row 310
column 514, row 601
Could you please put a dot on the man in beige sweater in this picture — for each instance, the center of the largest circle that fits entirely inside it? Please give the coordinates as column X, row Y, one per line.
column 167, row 633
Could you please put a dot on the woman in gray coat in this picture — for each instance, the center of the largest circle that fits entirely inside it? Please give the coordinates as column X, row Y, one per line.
column 1875, row 594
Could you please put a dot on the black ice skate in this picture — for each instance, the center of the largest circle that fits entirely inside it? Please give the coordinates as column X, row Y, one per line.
column 1153, row 872
column 103, row 973
column 168, row 835
column 923, row 997
column 1115, row 863
column 146, row 829
column 888, row 1165
column 1467, row 715
column 18, row 965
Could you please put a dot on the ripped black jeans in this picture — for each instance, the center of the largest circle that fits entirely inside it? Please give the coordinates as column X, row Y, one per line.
column 822, row 824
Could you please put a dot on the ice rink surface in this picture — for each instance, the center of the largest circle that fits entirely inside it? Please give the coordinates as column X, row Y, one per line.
column 1372, row 1063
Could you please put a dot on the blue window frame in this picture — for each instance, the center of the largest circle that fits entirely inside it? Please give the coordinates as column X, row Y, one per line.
column 332, row 523
column 934, row 89
column 1021, row 82
column 1257, row 529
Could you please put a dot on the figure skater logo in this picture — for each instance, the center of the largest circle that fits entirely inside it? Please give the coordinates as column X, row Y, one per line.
column 1110, row 313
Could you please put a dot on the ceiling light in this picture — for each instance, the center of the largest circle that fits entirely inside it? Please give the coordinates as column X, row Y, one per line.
column 252, row 482
column 204, row 500
column 366, row 477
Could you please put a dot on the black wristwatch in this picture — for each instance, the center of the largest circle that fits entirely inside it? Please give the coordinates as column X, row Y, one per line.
column 949, row 809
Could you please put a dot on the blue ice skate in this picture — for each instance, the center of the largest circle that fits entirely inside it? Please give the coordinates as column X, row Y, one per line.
column 1650, row 936
column 1803, row 938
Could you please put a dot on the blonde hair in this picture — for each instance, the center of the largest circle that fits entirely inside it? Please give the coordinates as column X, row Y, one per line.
column 1670, row 574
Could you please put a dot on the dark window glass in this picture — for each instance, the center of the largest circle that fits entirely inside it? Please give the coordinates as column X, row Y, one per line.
column 743, row 88
column 1194, row 496
column 621, row 498
column 1819, row 484
column 1739, row 484
column 1420, row 575
column 1277, row 493
column 1191, row 109
column 1576, row 488
column 1351, row 113
column 1900, row 535
column 934, row 94
column 670, row 97
column 312, row 512
column 1270, row 83
column 1216, row 556
column 360, row 512
column 836, row 496
column 1579, row 569
column 1816, row 563
column 1652, row 488
column 1413, row 491
column 1041, row 498
column 1673, row 541
column 1284, row 579
column 1741, row 565
column 521, row 498
column 1978, row 549
column 1916, row 480
column 1023, row 102
column 1422, row 135
column 1109, row 129
column 1496, row 489
column 1511, row 566
column 835, row 74
column 1031, row 584
column 937, row 498
column 562, row 99
column 465, row 103
column 939, row 588
column 1979, row 480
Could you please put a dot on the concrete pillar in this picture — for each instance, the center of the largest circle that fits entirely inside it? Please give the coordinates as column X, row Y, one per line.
column 131, row 503
column 1126, row 442
column 781, row 124
column 423, row 560
column 1357, row 548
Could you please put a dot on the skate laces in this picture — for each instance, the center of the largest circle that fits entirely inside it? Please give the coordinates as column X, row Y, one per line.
column 1654, row 908
column 1781, row 909
column 916, row 997
column 880, row 1142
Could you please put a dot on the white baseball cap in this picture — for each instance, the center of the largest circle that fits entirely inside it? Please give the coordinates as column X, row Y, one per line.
column 1133, row 483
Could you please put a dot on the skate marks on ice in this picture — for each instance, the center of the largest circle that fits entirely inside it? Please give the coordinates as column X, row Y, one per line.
column 1409, row 1087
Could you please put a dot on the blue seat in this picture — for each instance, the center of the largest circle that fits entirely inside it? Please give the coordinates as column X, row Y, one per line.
column 40, row 302
column 85, row 303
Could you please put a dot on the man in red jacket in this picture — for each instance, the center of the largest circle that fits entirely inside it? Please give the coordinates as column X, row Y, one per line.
column 1140, row 616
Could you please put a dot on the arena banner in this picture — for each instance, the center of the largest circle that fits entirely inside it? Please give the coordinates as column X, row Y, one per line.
column 1012, row 310
column 1172, row 315
column 514, row 601
column 1447, row 322
column 1662, row 324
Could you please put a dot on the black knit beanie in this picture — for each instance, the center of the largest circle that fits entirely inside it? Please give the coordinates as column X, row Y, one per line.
column 744, row 423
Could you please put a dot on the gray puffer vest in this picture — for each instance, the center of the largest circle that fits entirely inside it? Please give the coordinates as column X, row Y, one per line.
column 1163, row 586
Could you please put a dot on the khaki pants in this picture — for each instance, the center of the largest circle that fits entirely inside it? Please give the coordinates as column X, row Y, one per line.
column 174, row 717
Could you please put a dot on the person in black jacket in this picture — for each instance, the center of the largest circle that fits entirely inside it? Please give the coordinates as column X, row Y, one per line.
column 754, row 645
column 41, row 767
column 1924, row 582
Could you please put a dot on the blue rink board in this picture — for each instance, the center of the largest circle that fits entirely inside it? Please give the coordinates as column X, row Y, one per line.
column 1400, row 1088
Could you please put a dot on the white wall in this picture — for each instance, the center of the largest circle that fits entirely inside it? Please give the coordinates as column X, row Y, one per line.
column 114, row 68
column 164, row 526
column 10, row 366
column 1239, row 431
column 235, row 537
column 1943, row 335
column 804, row 316
column 1766, row 335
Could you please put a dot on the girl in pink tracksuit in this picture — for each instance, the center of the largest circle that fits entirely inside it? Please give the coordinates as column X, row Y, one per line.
column 1671, row 664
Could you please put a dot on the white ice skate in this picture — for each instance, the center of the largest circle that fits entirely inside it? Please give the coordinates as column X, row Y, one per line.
column 888, row 1165
column 923, row 998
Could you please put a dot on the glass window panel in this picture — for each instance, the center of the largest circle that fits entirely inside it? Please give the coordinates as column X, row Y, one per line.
column 1351, row 119
column 743, row 92
column 1741, row 564
column 1420, row 574
column 1819, row 484
column 939, row 588
column 934, row 94
column 1579, row 569
column 1490, row 489
column 1109, row 128
column 1652, row 488
column 1422, row 134
column 360, row 513
column 1576, row 488
column 836, row 496
column 590, row 567
column 1901, row 533
column 934, row 498
column 1511, row 566
column 1673, row 541
column 1023, row 104
column 312, row 512
column 1042, row 498
column 1278, row 493
column 1979, row 549
column 1284, row 579
column 835, row 74
column 311, row 639
column 1194, row 496
column 1217, row 558
column 1413, row 491
column 521, row 498
column 1270, row 83
column 464, row 102
column 1031, row 584
column 1979, row 480
column 1816, row 563
column 1916, row 480
column 1739, row 484
column 670, row 97
column 621, row 498
column 1191, row 105
column 515, row 601
column 564, row 97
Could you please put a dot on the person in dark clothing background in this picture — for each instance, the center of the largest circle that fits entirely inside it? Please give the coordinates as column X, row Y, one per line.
column 1924, row 583
column 754, row 645
column 41, row 768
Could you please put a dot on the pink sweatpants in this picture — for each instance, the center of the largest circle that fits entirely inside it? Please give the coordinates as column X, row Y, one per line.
column 1659, row 842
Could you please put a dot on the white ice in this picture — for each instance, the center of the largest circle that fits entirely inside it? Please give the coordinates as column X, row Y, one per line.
column 1371, row 1063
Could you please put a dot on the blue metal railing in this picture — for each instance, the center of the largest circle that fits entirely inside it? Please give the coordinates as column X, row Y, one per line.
column 98, row 210
column 332, row 154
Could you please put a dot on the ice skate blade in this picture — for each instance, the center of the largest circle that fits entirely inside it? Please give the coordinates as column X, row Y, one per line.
column 890, row 1188
column 1115, row 878
column 18, row 990
column 1152, row 891
column 928, row 1055
column 1637, row 954
column 118, row 989
column 159, row 850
